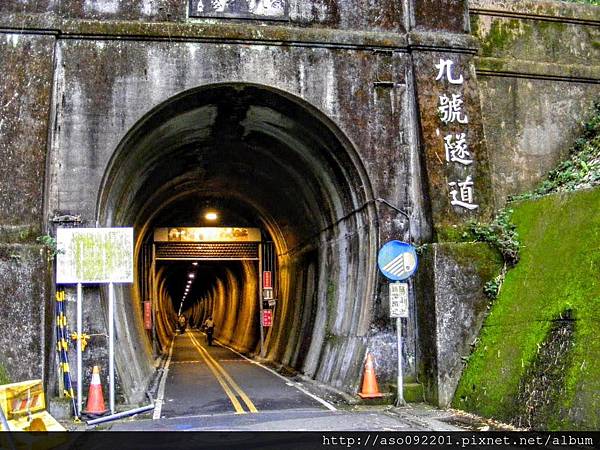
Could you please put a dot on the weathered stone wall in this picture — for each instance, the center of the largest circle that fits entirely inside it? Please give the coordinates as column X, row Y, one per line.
column 26, row 311
column 86, row 71
column 25, row 92
column 104, row 87
column 379, row 15
column 452, row 310
column 539, row 72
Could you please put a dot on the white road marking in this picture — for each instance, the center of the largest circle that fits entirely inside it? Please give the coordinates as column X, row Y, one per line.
column 161, row 388
column 327, row 405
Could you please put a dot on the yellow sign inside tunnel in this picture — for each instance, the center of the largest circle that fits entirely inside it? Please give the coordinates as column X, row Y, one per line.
column 207, row 234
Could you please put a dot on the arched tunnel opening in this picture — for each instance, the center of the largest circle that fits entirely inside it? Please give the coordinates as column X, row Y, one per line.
column 258, row 158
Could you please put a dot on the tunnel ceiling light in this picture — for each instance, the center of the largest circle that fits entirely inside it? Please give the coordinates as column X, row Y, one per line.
column 211, row 215
column 194, row 264
column 191, row 275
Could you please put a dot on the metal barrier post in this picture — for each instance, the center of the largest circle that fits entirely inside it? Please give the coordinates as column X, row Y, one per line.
column 111, row 345
column 79, row 360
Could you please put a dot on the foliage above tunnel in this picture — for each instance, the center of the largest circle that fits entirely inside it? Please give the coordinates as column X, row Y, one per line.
column 582, row 168
column 589, row 2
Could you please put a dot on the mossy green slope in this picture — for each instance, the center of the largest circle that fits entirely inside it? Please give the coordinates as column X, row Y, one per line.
column 559, row 270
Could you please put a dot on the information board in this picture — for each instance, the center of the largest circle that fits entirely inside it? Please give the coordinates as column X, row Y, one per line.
column 94, row 255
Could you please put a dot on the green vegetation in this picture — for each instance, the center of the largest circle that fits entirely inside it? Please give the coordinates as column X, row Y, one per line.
column 582, row 168
column 500, row 234
column 49, row 244
column 522, row 349
column 4, row 379
column 589, row 2
column 559, row 271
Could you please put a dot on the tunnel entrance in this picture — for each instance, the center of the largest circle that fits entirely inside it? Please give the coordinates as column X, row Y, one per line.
column 198, row 261
column 267, row 160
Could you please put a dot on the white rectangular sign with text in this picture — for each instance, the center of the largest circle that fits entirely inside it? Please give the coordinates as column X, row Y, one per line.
column 94, row 255
column 398, row 300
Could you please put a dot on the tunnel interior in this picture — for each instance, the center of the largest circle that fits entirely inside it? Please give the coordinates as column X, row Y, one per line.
column 262, row 158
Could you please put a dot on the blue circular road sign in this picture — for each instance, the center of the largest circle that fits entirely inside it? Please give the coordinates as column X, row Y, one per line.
column 397, row 260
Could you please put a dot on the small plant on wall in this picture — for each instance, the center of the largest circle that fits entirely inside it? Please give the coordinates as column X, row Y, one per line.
column 50, row 245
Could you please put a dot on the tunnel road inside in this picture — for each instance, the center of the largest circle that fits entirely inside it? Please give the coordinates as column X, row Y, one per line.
column 209, row 380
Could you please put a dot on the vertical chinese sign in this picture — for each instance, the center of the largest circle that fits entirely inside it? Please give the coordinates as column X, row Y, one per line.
column 456, row 159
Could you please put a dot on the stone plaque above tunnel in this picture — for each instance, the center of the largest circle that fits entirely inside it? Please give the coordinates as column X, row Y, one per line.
column 240, row 9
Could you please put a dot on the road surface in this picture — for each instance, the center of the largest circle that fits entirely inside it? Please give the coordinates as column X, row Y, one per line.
column 214, row 388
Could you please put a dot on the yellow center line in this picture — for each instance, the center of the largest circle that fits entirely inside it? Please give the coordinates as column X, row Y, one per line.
column 235, row 386
column 234, row 401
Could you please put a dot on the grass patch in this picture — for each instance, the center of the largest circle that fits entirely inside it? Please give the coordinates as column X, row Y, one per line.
column 4, row 379
column 559, row 270
column 588, row 2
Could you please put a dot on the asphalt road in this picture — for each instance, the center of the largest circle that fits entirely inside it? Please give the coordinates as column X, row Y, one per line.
column 213, row 388
column 214, row 380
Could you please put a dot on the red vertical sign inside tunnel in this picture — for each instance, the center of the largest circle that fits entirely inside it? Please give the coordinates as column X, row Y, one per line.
column 267, row 279
column 148, row 315
column 267, row 317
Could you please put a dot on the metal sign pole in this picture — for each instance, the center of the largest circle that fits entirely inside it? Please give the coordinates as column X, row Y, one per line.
column 3, row 420
column 398, row 261
column 79, row 362
column 111, row 345
column 400, row 397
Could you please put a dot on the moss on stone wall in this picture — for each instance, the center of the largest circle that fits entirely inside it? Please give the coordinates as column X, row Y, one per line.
column 559, row 271
column 589, row 2
column 530, row 39
column 4, row 379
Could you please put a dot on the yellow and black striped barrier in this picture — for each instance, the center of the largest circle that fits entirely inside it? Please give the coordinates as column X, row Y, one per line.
column 62, row 346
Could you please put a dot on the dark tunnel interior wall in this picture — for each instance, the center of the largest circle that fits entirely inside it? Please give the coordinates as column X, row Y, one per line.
column 265, row 160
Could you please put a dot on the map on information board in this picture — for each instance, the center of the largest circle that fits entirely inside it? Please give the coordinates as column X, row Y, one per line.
column 94, row 255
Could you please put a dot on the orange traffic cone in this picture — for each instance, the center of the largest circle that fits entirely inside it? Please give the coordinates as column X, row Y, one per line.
column 370, row 389
column 95, row 399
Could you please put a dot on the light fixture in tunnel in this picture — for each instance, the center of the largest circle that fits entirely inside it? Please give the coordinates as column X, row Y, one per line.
column 211, row 215
column 194, row 264
column 191, row 275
